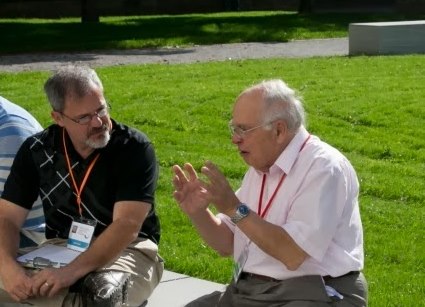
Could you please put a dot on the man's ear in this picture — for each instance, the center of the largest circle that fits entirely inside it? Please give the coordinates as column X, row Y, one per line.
column 281, row 130
column 57, row 117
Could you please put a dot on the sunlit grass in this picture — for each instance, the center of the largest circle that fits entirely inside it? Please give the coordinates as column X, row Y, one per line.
column 371, row 108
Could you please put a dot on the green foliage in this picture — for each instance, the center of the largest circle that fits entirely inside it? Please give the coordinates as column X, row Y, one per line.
column 69, row 34
column 371, row 108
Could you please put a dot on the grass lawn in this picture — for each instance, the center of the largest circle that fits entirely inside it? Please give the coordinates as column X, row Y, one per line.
column 371, row 108
column 69, row 34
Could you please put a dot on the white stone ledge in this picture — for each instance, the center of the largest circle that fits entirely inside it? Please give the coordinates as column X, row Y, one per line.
column 395, row 37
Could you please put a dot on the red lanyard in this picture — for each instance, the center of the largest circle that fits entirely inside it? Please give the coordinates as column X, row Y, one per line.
column 78, row 190
column 260, row 201
column 262, row 214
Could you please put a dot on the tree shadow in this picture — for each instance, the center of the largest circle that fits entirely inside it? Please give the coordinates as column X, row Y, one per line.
column 158, row 31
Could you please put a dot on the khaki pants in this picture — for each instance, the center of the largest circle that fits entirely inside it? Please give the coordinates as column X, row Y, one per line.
column 140, row 259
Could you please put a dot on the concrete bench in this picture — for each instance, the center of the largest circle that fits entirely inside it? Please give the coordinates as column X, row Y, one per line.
column 176, row 290
column 376, row 38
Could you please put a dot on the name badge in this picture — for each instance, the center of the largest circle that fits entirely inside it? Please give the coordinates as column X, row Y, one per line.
column 81, row 234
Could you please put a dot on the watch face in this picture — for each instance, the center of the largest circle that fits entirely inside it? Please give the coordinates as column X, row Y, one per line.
column 241, row 212
column 243, row 209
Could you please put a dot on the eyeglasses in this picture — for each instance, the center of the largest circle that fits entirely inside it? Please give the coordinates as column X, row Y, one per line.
column 86, row 119
column 240, row 132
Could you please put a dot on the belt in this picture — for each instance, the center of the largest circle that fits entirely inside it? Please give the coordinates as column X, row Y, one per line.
column 328, row 277
column 247, row 275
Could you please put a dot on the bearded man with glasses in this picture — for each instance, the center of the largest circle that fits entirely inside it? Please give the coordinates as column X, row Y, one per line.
column 97, row 180
column 293, row 228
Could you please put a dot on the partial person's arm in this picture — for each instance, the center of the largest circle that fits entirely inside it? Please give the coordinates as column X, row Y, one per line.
column 214, row 232
column 15, row 281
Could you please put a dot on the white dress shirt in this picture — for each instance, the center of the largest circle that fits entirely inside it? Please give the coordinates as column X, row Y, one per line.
column 317, row 205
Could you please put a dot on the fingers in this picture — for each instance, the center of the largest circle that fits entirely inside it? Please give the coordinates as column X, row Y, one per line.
column 189, row 174
column 211, row 165
column 36, row 288
column 212, row 172
column 178, row 171
column 18, row 286
column 43, row 282
column 179, row 179
column 42, row 289
column 181, row 174
column 20, row 294
column 191, row 171
column 178, row 196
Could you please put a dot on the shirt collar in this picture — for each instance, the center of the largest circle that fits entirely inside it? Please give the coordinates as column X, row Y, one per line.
column 290, row 154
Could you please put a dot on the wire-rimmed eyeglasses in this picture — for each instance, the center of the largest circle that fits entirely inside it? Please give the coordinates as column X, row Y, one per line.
column 241, row 132
column 86, row 119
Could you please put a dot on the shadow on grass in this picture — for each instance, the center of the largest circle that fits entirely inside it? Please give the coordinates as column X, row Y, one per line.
column 22, row 36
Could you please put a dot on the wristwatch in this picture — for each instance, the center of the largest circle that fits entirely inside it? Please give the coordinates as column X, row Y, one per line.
column 242, row 211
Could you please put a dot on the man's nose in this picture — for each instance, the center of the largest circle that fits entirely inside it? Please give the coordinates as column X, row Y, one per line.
column 236, row 139
column 96, row 120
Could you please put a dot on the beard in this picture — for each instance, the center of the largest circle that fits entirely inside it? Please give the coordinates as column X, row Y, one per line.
column 98, row 137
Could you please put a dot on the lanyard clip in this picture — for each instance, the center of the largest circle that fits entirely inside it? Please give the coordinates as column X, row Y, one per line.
column 41, row 263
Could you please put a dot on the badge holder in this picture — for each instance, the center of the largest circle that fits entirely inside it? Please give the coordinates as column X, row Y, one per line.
column 81, row 234
column 239, row 265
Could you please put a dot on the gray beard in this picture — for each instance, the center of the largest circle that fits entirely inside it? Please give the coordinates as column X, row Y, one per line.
column 99, row 143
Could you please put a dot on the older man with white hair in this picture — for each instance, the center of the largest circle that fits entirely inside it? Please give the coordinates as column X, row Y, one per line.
column 293, row 228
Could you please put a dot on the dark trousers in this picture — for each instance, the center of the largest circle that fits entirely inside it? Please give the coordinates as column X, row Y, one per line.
column 302, row 291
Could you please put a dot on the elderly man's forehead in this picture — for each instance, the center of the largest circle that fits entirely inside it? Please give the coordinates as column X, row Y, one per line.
column 253, row 97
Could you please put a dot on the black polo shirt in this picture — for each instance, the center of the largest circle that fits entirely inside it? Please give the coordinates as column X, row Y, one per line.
column 126, row 170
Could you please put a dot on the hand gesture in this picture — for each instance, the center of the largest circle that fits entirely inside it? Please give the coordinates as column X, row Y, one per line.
column 189, row 190
column 194, row 194
column 219, row 191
